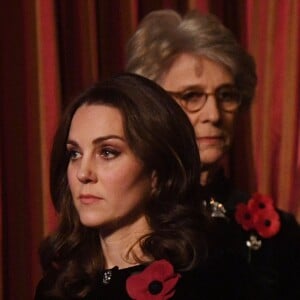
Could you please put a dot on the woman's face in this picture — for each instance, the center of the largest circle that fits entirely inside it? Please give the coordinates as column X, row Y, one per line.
column 108, row 182
column 213, row 127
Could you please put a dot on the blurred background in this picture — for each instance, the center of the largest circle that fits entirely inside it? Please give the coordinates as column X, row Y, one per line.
column 51, row 50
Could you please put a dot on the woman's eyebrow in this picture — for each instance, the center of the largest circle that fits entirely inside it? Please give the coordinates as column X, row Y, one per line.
column 107, row 137
column 71, row 142
column 97, row 140
column 188, row 87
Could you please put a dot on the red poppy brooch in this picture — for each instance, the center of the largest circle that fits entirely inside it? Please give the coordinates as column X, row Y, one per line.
column 259, row 217
column 156, row 282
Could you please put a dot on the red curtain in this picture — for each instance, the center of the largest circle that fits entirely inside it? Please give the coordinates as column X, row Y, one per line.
column 273, row 30
column 51, row 50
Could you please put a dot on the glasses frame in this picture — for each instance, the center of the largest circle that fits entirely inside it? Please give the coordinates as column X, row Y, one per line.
column 180, row 96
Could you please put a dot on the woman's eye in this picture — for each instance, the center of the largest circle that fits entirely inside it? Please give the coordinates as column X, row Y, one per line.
column 108, row 153
column 192, row 96
column 73, row 154
column 228, row 95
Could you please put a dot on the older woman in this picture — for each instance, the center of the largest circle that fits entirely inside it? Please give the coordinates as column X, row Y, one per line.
column 201, row 65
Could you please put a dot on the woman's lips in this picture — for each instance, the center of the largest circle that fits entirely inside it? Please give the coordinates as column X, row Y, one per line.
column 209, row 139
column 88, row 199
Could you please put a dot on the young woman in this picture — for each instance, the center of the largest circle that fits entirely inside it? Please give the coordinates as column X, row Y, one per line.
column 124, row 180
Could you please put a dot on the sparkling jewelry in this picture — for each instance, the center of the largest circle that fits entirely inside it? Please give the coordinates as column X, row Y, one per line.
column 253, row 243
column 217, row 209
column 107, row 276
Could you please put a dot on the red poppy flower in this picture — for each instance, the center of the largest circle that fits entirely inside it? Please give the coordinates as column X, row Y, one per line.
column 267, row 223
column 259, row 202
column 258, row 214
column 156, row 282
column 243, row 216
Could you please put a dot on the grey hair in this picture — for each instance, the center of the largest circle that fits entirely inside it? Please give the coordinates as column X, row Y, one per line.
column 163, row 34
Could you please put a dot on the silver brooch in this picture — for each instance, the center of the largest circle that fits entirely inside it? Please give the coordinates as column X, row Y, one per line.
column 217, row 209
column 107, row 276
column 253, row 243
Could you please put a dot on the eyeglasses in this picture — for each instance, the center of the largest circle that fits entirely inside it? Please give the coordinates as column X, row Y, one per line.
column 228, row 98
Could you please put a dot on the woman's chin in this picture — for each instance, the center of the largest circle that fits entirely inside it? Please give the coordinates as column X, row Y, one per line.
column 210, row 157
column 90, row 220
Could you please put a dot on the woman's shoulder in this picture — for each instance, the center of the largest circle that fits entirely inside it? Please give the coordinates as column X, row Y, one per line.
column 222, row 277
column 291, row 225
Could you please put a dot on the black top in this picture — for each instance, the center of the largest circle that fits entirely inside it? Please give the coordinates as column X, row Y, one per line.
column 217, row 279
column 276, row 262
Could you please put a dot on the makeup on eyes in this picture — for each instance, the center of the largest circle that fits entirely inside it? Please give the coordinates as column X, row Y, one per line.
column 107, row 147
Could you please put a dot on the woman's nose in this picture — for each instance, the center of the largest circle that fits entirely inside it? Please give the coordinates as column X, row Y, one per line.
column 211, row 111
column 86, row 172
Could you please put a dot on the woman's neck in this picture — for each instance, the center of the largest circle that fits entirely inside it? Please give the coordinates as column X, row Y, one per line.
column 208, row 173
column 121, row 247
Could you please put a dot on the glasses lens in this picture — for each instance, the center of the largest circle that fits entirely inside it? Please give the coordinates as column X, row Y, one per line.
column 192, row 100
column 228, row 98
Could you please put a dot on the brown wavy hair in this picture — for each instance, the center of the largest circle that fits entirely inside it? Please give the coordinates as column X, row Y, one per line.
column 160, row 134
